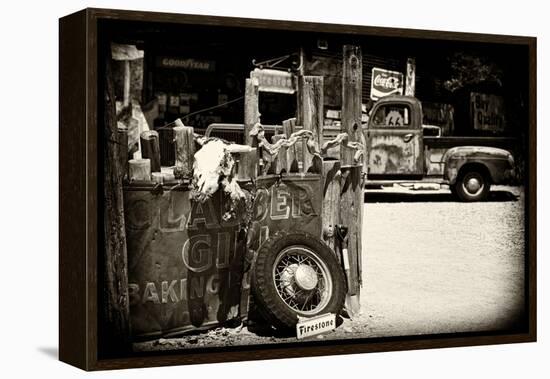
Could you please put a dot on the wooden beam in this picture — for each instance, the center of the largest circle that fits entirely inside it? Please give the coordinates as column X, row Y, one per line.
column 139, row 169
column 293, row 152
column 280, row 163
column 123, row 146
column 331, row 201
column 351, row 99
column 185, row 150
column 251, row 115
column 351, row 201
column 247, row 163
column 126, row 90
column 310, row 113
column 150, row 148
column 115, row 262
column 410, row 79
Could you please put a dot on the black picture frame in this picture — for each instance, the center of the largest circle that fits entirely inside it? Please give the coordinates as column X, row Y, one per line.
column 80, row 198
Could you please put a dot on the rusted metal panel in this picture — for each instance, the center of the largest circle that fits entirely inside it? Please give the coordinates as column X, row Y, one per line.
column 185, row 262
column 288, row 202
column 395, row 152
column 434, row 161
column 499, row 163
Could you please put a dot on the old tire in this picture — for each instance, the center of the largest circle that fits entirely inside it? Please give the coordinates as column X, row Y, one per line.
column 472, row 185
column 295, row 275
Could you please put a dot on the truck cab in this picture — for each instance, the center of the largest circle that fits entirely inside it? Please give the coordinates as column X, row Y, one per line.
column 394, row 139
column 397, row 151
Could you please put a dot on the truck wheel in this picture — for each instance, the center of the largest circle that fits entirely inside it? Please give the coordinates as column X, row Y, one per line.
column 295, row 275
column 472, row 186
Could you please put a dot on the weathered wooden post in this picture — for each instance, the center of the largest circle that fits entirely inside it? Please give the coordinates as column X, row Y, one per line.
column 150, row 148
column 410, row 79
column 184, row 145
column 251, row 114
column 139, row 169
column 280, row 163
column 122, row 136
column 331, row 201
column 247, row 169
column 126, row 54
column 310, row 113
column 115, row 330
column 293, row 155
column 351, row 203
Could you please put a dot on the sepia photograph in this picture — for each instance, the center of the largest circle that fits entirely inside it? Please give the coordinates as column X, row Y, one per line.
column 271, row 187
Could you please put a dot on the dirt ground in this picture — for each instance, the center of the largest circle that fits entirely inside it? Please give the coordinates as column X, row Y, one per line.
column 430, row 265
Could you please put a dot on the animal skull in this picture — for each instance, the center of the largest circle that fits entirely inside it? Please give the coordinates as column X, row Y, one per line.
column 213, row 169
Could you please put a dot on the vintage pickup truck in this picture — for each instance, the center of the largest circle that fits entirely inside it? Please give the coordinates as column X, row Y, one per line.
column 399, row 149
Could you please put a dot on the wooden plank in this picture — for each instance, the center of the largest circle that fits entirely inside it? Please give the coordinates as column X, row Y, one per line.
column 247, row 163
column 150, row 148
column 184, row 150
column 331, row 201
column 122, row 138
column 139, row 169
column 280, row 163
column 351, row 203
column 251, row 114
column 410, row 77
column 310, row 114
column 115, row 261
column 351, row 99
column 292, row 152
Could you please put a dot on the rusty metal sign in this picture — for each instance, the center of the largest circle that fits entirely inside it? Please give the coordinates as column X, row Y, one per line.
column 275, row 81
column 288, row 202
column 487, row 112
column 185, row 262
column 385, row 82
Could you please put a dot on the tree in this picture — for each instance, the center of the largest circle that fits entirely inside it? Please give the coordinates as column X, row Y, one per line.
column 468, row 69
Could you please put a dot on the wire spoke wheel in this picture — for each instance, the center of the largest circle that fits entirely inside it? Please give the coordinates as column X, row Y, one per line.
column 302, row 279
column 296, row 274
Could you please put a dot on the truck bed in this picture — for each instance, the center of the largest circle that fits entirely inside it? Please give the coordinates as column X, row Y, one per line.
column 507, row 143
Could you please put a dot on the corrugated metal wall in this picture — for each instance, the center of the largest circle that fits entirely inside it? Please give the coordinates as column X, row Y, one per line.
column 329, row 64
column 385, row 62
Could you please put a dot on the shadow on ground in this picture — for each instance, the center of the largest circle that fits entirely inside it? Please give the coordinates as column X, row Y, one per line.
column 50, row 351
column 412, row 197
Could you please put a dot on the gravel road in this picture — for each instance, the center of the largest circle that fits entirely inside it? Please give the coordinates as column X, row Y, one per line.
column 430, row 265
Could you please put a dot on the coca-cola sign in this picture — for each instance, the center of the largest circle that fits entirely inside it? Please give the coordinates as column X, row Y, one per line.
column 385, row 82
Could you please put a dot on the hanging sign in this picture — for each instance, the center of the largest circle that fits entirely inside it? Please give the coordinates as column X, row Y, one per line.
column 487, row 112
column 274, row 81
column 385, row 82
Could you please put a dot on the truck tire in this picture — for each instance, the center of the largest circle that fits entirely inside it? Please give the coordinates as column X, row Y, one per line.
column 295, row 275
column 472, row 185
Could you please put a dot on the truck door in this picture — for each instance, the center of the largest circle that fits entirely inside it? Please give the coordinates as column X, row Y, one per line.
column 394, row 141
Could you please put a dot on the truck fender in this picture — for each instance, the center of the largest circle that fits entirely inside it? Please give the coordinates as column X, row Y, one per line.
column 498, row 163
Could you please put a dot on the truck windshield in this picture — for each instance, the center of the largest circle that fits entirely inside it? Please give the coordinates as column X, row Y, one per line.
column 393, row 115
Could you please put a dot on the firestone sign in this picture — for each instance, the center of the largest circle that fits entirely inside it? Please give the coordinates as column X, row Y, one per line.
column 385, row 82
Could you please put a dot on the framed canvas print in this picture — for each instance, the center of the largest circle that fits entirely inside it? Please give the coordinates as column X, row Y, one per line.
column 238, row 189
